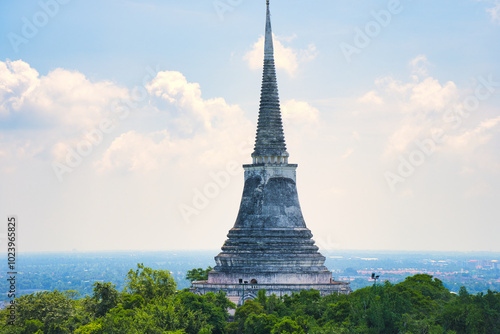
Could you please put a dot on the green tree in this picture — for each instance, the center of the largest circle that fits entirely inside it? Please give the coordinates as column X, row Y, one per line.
column 157, row 316
column 337, row 312
column 32, row 326
column 241, row 315
column 287, row 326
column 150, row 283
column 198, row 274
column 213, row 308
column 105, row 297
column 304, row 303
column 274, row 305
column 427, row 286
column 408, row 306
column 50, row 308
column 91, row 328
column 260, row 323
column 130, row 302
column 468, row 313
column 118, row 321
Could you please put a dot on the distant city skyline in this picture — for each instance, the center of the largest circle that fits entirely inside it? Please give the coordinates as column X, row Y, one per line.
column 124, row 125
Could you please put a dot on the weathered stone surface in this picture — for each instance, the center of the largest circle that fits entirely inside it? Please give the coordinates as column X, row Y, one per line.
column 270, row 242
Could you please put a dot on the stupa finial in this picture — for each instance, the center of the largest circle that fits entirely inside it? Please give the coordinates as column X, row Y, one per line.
column 270, row 144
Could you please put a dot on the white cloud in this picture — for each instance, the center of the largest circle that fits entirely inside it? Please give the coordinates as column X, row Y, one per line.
column 61, row 98
column 69, row 98
column 495, row 13
column 49, row 114
column 420, row 107
column 429, row 95
column 299, row 112
column 212, row 130
column 371, row 98
column 286, row 58
column 136, row 152
column 17, row 80
column 471, row 139
column 422, row 96
column 65, row 106
column 308, row 54
column 419, row 66
column 418, row 101
column 403, row 137
column 174, row 88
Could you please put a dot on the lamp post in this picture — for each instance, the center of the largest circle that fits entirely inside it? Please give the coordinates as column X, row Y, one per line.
column 375, row 278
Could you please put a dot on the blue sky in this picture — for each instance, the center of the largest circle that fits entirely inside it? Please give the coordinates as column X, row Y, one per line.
column 121, row 121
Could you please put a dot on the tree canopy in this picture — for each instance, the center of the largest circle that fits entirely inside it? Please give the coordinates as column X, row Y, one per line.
column 198, row 274
column 151, row 304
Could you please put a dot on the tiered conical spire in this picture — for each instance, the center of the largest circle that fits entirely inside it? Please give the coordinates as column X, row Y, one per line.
column 270, row 144
column 270, row 242
column 269, row 247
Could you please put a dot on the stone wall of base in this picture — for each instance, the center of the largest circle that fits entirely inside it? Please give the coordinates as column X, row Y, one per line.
column 249, row 291
column 271, row 278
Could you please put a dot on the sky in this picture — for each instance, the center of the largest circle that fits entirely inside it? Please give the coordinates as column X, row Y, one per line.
column 124, row 124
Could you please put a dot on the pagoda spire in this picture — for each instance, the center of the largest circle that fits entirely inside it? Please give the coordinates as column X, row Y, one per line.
column 269, row 247
column 270, row 147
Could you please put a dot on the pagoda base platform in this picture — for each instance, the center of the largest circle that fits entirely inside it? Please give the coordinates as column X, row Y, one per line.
column 249, row 291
